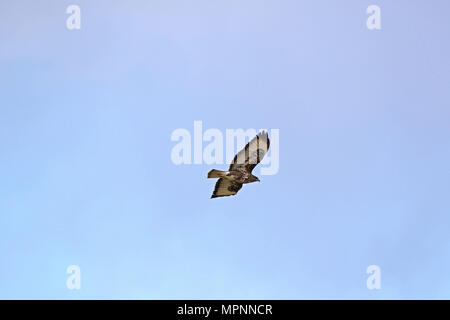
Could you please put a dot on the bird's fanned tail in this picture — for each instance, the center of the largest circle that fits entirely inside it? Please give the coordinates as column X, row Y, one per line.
column 216, row 173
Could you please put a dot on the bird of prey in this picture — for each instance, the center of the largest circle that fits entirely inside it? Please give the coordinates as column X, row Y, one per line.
column 240, row 171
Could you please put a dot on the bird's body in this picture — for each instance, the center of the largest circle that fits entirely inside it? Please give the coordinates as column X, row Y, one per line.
column 238, row 176
column 240, row 171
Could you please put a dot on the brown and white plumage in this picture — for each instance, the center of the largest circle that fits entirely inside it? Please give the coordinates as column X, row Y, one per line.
column 240, row 170
column 225, row 187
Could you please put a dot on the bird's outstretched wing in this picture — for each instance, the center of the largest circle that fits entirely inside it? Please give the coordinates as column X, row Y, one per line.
column 225, row 188
column 252, row 154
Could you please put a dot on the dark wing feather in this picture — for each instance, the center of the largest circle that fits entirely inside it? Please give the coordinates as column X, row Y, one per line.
column 252, row 154
column 225, row 188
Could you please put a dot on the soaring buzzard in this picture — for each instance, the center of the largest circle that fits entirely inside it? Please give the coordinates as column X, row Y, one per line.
column 240, row 170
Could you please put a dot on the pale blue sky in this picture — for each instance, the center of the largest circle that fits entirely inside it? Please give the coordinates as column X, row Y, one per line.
column 85, row 170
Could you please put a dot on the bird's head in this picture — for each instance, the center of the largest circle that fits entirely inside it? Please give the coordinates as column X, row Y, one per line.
column 254, row 178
